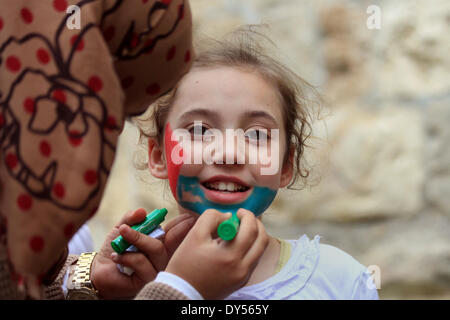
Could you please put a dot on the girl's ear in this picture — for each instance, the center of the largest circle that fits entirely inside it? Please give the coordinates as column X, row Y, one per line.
column 288, row 169
column 156, row 160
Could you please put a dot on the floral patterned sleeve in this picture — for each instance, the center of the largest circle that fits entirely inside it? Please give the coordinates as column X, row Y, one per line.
column 64, row 96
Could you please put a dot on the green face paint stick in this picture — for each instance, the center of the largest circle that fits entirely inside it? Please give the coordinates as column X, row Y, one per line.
column 228, row 229
column 151, row 222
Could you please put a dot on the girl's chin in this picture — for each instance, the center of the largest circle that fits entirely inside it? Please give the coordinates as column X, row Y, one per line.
column 225, row 197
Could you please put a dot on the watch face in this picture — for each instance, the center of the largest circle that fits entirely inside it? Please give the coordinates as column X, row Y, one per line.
column 82, row 294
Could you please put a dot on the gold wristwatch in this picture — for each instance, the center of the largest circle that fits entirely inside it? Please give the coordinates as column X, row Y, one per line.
column 79, row 285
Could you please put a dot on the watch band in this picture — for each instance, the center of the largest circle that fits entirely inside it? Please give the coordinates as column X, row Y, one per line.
column 82, row 273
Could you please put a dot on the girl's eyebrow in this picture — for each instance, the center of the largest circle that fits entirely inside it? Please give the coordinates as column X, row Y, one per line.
column 260, row 114
column 201, row 112
column 249, row 114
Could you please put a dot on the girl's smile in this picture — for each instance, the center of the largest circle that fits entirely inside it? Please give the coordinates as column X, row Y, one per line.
column 226, row 189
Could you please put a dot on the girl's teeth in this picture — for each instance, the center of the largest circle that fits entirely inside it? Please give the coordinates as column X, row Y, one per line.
column 222, row 186
column 225, row 186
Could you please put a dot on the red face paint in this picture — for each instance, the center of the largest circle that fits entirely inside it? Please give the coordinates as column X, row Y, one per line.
column 173, row 169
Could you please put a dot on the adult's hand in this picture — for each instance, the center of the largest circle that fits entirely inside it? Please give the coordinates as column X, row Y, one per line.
column 214, row 267
column 152, row 257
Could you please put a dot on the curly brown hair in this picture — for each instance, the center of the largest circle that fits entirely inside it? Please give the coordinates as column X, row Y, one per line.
column 243, row 49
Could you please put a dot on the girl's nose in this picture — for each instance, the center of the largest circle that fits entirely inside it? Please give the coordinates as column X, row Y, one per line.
column 232, row 150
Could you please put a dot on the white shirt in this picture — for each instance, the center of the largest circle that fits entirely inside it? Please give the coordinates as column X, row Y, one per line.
column 314, row 271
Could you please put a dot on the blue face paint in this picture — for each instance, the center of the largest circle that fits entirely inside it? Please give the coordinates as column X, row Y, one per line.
column 258, row 201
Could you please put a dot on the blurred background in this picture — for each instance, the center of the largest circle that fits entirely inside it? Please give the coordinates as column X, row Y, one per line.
column 381, row 153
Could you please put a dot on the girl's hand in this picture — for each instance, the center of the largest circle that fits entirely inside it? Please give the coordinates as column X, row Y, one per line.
column 152, row 257
column 214, row 267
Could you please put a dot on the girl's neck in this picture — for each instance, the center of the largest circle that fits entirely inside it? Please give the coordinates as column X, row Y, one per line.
column 267, row 264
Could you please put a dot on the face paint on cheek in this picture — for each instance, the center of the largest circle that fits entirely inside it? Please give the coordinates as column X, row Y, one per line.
column 173, row 152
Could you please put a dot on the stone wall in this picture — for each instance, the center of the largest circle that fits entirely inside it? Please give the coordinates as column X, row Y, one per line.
column 381, row 153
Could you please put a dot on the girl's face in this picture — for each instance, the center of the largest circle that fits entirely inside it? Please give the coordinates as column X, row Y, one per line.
column 224, row 98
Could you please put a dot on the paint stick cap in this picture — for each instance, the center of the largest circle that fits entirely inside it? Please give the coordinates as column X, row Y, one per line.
column 228, row 229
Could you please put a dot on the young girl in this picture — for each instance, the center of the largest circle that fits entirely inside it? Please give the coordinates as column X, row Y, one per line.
column 233, row 85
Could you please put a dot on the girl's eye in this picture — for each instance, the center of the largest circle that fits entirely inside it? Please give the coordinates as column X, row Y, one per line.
column 198, row 130
column 256, row 134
